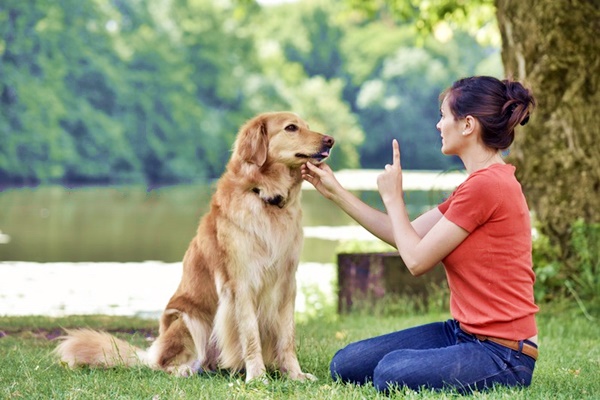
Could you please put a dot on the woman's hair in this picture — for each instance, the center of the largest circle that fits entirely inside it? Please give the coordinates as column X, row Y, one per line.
column 498, row 105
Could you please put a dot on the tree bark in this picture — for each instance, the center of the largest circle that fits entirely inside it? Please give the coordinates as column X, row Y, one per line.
column 553, row 46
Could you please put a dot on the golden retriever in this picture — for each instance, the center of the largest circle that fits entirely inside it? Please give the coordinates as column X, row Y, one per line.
column 234, row 307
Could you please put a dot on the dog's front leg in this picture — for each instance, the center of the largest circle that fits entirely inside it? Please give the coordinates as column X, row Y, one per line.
column 286, row 342
column 249, row 334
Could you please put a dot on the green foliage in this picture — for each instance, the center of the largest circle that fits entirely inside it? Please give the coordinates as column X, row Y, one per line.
column 473, row 16
column 98, row 92
column 547, row 267
column 154, row 91
column 579, row 277
column 585, row 277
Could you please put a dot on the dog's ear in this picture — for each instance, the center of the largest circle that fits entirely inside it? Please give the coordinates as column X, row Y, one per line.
column 252, row 144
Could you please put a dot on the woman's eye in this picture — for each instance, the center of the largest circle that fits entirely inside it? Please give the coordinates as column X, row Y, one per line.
column 291, row 128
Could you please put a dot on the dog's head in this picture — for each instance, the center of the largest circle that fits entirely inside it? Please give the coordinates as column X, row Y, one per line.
column 281, row 137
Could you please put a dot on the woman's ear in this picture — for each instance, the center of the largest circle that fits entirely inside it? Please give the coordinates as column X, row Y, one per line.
column 252, row 143
column 470, row 125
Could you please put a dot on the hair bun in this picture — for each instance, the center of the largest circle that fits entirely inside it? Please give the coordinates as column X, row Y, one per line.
column 518, row 102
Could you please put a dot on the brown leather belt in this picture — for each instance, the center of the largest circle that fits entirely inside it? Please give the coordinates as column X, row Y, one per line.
column 526, row 349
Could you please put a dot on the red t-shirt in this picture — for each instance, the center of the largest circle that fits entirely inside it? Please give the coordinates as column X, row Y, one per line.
column 490, row 273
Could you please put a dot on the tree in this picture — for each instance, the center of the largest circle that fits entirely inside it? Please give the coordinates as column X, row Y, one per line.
column 553, row 46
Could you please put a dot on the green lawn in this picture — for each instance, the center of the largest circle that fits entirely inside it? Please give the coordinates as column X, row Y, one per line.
column 568, row 368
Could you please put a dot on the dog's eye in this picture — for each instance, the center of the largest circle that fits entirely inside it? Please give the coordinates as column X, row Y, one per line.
column 291, row 128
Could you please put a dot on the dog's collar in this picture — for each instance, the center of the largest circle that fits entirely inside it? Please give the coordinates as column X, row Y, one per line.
column 278, row 200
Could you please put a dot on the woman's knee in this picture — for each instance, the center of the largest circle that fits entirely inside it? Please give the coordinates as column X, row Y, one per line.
column 348, row 365
column 383, row 377
column 396, row 370
column 340, row 365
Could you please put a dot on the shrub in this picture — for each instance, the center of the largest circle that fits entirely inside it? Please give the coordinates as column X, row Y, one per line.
column 574, row 275
column 584, row 273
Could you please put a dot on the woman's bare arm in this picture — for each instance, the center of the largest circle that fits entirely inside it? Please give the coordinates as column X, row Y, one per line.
column 373, row 220
column 420, row 252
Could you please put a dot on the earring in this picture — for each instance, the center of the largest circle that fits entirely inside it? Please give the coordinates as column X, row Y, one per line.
column 464, row 133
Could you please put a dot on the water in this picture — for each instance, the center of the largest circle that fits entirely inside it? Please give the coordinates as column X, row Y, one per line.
column 82, row 251
column 131, row 224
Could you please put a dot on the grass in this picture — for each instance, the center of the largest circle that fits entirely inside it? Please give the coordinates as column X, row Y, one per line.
column 568, row 368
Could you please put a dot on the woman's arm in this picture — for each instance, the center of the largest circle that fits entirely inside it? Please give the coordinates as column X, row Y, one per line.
column 373, row 220
column 420, row 252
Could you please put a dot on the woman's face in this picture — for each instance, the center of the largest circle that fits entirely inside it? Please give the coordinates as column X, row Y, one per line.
column 450, row 129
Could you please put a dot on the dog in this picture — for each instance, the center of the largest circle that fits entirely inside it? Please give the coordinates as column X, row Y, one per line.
column 234, row 307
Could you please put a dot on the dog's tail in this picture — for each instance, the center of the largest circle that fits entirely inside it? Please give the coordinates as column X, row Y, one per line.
column 86, row 347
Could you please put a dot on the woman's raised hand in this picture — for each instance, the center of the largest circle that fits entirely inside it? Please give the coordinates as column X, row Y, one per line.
column 389, row 182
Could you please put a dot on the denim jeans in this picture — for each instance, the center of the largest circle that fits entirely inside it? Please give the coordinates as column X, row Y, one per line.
column 436, row 356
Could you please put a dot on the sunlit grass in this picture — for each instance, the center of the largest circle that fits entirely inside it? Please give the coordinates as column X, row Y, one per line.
column 567, row 369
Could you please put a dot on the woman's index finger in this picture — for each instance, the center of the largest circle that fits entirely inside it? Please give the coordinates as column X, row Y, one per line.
column 396, row 153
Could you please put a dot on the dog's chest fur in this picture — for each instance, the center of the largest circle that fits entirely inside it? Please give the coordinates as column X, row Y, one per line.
column 251, row 227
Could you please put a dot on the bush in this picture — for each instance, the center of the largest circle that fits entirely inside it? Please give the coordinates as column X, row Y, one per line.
column 584, row 278
column 574, row 275
column 547, row 268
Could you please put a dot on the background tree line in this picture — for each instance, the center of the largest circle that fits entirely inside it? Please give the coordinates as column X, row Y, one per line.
column 153, row 91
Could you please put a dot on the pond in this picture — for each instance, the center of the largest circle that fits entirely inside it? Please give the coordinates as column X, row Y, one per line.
column 130, row 223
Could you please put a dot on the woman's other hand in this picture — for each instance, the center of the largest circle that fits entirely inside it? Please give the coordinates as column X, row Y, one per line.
column 322, row 178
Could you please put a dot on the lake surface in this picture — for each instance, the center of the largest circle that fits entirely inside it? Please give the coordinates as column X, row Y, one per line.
column 132, row 224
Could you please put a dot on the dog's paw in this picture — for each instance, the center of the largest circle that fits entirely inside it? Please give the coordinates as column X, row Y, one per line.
column 303, row 376
column 257, row 374
column 257, row 380
column 182, row 371
column 185, row 370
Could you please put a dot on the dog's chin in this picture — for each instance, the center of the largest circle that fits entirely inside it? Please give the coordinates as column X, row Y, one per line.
column 316, row 158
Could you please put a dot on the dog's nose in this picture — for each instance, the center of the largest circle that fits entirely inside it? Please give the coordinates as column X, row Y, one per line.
column 328, row 141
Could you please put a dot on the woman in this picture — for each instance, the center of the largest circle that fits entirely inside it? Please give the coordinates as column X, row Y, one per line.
column 481, row 233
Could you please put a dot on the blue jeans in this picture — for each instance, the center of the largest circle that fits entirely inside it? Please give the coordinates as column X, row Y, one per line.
column 436, row 356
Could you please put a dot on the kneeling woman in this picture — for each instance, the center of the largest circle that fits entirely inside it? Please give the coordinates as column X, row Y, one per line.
column 481, row 233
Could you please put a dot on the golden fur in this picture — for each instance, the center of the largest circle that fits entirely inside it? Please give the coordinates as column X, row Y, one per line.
column 234, row 307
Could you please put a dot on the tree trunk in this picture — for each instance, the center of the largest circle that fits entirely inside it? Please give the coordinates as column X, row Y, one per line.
column 553, row 46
